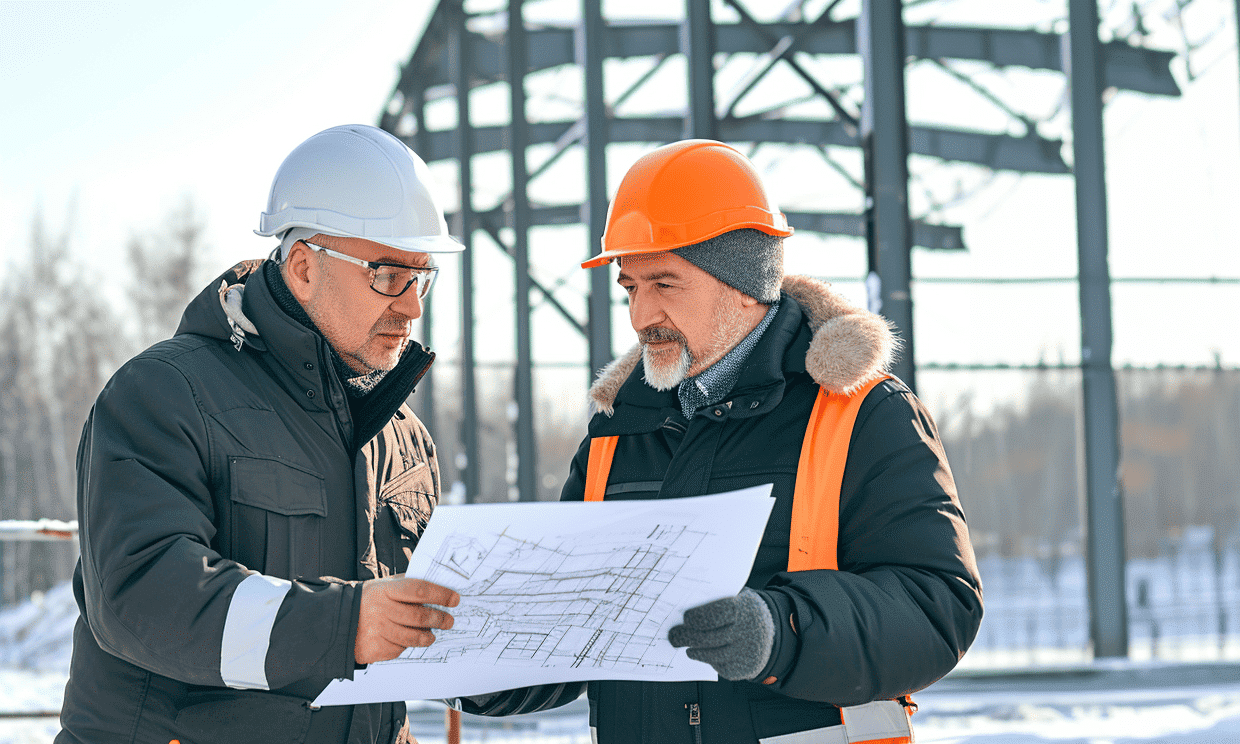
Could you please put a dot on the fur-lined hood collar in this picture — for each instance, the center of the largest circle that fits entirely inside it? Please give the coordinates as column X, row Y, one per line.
column 850, row 346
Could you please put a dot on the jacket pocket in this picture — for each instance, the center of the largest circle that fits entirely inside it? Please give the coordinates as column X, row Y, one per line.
column 405, row 503
column 230, row 717
column 278, row 511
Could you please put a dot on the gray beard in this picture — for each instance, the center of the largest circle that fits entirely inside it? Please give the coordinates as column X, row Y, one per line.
column 666, row 376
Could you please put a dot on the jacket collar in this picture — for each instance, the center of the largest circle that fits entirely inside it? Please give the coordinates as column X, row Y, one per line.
column 239, row 305
column 841, row 346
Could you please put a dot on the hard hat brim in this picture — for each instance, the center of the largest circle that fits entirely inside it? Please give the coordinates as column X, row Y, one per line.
column 413, row 244
column 635, row 249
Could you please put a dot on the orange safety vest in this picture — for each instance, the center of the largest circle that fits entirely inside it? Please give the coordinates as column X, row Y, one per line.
column 820, row 474
column 812, row 538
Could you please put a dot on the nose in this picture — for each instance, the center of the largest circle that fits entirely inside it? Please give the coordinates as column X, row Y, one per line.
column 409, row 304
column 644, row 309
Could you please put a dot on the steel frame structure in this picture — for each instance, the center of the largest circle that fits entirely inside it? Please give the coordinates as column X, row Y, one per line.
column 452, row 57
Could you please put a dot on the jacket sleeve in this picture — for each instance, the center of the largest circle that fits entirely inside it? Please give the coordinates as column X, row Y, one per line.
column 155, row 592
column 906, row 602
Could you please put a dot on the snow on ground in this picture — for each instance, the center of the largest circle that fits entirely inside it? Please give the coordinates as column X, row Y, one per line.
column 38, row 634
column 1102, row 703
column 1115, row 703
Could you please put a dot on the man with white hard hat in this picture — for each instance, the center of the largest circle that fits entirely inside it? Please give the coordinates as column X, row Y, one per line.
column 250, row 490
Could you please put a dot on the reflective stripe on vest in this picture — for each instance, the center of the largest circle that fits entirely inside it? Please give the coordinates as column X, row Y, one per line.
column 814, row 532
column 880, row 722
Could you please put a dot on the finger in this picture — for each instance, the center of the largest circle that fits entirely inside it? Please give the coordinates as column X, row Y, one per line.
column 682, row 637
column 377, row 649
column 417, row 591
column 718, row 614
column 419, row 616
column 410, row 637
column 710, row 656
column 676, row 636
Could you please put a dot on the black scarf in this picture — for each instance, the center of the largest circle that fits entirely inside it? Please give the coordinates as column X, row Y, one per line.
column 355, row 385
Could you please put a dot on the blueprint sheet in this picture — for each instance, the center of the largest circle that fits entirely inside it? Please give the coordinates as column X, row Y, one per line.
column 565, row 591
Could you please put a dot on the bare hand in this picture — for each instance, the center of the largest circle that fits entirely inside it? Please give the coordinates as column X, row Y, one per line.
column 394, row 616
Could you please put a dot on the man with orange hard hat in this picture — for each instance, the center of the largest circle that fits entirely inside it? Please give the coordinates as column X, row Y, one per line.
column 864, row 588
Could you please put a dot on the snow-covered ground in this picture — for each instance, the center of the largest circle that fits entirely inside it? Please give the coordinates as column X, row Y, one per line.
column 1144, row 702
column 956, row 711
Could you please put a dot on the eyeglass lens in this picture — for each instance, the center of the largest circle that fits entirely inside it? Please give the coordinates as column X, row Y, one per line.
column 394, row 280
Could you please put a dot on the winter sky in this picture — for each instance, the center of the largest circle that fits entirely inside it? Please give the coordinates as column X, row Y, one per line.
column 116, row 112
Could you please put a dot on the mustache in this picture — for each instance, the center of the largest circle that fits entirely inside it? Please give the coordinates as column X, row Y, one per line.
column 396, row 325
column 658, row 334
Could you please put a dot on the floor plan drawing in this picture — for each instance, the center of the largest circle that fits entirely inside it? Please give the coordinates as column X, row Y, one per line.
column 561, row 601
column 567, row 591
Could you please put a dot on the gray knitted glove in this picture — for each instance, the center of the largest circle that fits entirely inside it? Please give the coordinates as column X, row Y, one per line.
column 735, row 635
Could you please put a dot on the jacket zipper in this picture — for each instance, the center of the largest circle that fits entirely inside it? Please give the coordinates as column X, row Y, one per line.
column 695, row 721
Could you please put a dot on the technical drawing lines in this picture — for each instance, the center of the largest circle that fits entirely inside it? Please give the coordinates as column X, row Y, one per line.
column 562, row 601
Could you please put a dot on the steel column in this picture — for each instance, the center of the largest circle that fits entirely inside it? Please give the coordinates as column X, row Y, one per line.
column 697, row 43
column 426, row 398
column 1104, row 502
column 590, row 55
column 518, row 61
column 884, row 139
column 469, row 474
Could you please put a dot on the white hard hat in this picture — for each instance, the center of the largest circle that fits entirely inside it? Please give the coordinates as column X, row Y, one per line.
column 358, row 181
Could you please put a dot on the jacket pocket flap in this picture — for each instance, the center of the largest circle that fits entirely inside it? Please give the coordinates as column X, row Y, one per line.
column 277, row 486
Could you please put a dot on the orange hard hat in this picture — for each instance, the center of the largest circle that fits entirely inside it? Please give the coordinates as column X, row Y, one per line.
column 682, row 194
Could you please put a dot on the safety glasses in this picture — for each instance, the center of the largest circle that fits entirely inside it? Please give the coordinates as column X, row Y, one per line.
column 389, row 280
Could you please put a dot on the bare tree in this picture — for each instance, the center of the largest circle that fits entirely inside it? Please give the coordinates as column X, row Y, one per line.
column 166, row 268
column 58, row 344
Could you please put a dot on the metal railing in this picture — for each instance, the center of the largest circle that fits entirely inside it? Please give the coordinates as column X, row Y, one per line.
column 49, row 530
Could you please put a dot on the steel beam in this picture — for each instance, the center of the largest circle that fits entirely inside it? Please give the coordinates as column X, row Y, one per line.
column 928, row 235
column 589, row 55
column 1104, row 503
column 527, row 486
column 1127, row 67
column 461, row 41
column 1028, row 154
column 490, row 222
column 884, row 137
column 698, row 45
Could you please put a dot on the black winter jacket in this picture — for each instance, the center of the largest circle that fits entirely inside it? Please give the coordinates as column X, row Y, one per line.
column 906, row 602
column 229, row 506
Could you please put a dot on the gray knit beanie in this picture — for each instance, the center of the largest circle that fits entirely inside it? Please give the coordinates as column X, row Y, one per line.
column 747, row 259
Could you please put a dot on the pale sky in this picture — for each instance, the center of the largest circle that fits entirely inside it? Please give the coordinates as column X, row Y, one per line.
column 127, row 108
column 124, row 109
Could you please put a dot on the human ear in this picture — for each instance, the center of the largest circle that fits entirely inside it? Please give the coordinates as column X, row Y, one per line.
column 299, row 271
